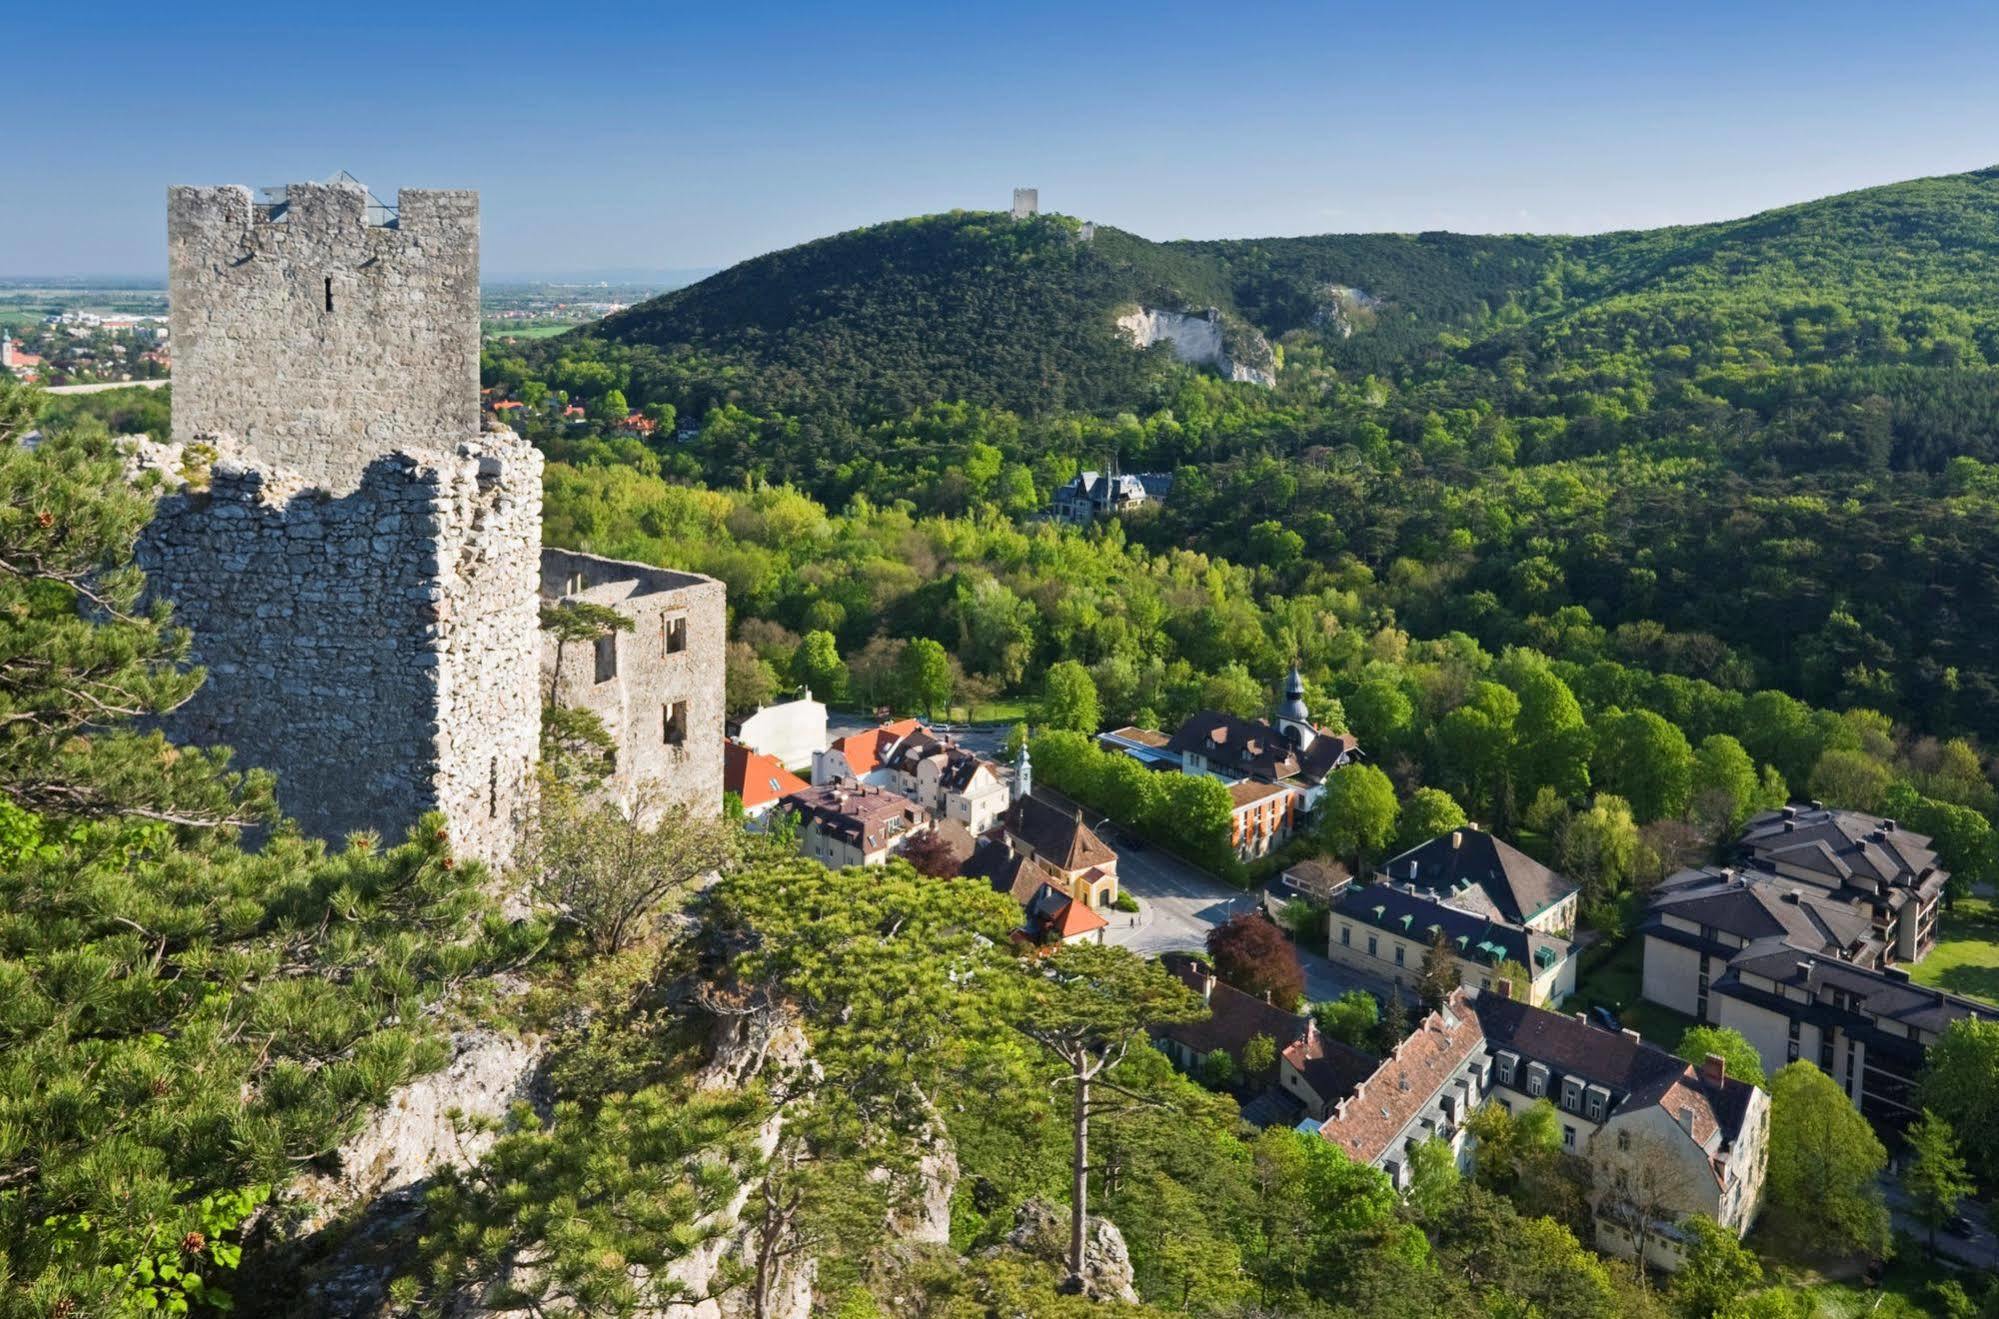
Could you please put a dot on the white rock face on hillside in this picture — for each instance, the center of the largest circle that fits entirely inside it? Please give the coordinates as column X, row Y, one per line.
column 1196, row 339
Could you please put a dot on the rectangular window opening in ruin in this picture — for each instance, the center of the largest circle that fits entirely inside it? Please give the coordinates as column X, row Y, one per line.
column 673, row 723
column 673, row 634
column 607, row 657
column 329, row 293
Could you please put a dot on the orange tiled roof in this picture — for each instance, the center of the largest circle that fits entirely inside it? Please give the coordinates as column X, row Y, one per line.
column 864, row 749
column 756, row 778
column 1075, row 919
column 1366, row 1123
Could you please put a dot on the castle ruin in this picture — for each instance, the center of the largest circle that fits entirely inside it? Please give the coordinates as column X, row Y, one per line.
column 363, row 575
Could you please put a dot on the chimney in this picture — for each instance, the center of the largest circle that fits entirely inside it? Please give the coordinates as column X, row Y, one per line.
column 1793, row 896
column 1888, row 826
column 1714, row 1069
column 1457, row 839
column 1804, row 970
column 1582, row 1018
column 1790, row 812
column 1207, row 986
column 1790, row 826
column 1503, row 987
column 1632, row 1035
column 1817, row 805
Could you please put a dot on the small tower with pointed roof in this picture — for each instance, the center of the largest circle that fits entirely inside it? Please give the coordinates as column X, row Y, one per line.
column 1293, row 719
column 1023, row 774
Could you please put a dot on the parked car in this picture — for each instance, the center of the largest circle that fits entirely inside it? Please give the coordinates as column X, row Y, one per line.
column 1605, row 1018
column 1960, row 1226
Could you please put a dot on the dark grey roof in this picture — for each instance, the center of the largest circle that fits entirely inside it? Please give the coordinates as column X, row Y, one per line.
column 1474, row 935
column 1843, row 849
column 1754, row 905
column 1258, row 750
column 1881, row 995
column 1234, row 1018
column 1057, row 835
column 1518, row 887
column 1634, row 1072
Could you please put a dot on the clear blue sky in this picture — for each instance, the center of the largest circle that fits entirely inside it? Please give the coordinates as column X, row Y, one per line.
column 677, row 135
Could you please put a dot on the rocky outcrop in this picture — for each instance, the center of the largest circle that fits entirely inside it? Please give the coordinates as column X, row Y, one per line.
column 1041, row 1230
column 372, row 1199
column 1203, row 339
column 1342, row 308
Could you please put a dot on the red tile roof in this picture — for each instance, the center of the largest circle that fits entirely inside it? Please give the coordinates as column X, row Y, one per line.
column 864, row 750
column 1075, row 919
column 756, row 778
column 1366, row 1124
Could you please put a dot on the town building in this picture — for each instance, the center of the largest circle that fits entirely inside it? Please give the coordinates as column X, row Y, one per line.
column 761, row 782
column 1309, row 1075
column 1262, row 817
column 856, row 756
column 1803, row 946
column 793, row 731
column 1802, row 976
column 1039, row 848
column 1873, row 864
column 1090, row 495
column 1289, row 750
column 964, row 792
column 1662, row 1138
column 852, row 824
column 1471, row 869
column 1384, row 931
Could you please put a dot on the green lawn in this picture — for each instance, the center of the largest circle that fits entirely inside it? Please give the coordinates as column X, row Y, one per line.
column 1966, row 958
column 1614, row 983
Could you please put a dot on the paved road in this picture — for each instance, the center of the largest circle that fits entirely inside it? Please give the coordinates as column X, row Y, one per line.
column 1980, row 1250
column 1179, row 903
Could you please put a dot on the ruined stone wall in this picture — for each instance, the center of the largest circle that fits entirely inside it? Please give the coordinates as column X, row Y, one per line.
column 379, row 648
column 318, row 340
column 671, row 660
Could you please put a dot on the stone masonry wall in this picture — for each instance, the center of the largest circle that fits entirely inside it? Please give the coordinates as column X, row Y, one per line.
column 636, row 685
column 318, row 340
column 378, row 649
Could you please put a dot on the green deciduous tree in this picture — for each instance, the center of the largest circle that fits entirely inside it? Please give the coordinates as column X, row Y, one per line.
column 1935, row 1176
column 1358, row 814
column 610, row 870
column 1069, row 698
column 1716, row 1269
column 1823, row 1162
column 1646, row 760
column 817, row 666
column 1961, row 1085
column 926, row 674
column 1429, row 813
column 1350, row 1018
column 1743, row 1061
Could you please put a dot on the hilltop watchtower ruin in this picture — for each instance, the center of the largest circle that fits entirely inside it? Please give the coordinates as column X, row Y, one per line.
column 363, row 575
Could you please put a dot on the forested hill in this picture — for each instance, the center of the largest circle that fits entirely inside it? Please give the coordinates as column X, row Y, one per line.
column 979, row 308
column 976, row 307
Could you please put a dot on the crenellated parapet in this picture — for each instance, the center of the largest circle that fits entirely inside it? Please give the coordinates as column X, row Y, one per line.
column 322, row 329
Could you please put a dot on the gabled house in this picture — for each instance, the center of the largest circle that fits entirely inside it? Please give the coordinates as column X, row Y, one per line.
column 851, row 824
column 1471, row 869
column 1311, row 1073
column 945, row 779
column 758, row 780
column 793, row 731
column 1872, row 864
column 857, row 756
column 1663, row 1138
column 1289, row 750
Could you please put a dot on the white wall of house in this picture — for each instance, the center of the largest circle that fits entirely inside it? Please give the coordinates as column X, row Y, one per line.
column 1671, row 977
column 791, row 731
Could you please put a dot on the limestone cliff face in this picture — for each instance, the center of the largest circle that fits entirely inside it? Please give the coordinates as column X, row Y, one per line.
column 1202, row 339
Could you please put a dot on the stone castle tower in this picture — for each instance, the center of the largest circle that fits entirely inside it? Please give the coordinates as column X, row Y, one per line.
column 362, row 575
